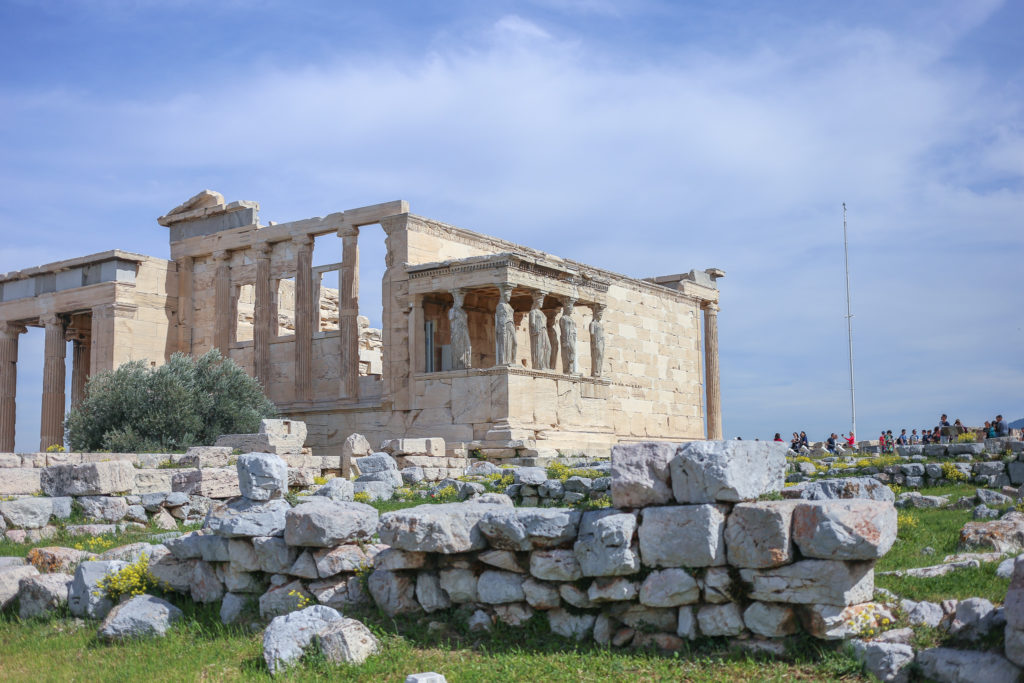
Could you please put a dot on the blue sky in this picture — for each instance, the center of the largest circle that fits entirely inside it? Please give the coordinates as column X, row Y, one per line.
column 645, row 137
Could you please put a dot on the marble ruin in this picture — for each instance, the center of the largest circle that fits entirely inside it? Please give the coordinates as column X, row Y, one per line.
column 486, row 344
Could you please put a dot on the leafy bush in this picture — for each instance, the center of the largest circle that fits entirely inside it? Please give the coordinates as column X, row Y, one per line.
column 966, row 437
column 186, row 402
column 561, row 472
column 133, row 580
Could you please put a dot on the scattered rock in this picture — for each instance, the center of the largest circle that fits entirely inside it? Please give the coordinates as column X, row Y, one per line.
column 347, row 641
column 287, row 636
column 143, row 616
column 42, row 594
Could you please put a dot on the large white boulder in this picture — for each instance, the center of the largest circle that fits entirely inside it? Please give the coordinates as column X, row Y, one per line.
column 770, row 620
column 10, row 580
column 288, row 635
column 262, row 476
column 605, row 546
column 42, row 594
column 808, row 582
column 338, row 489
column 669, row 588
column 394, row 593
column 85, row 597
column 846, row 487
column 888, row 662
column 555, row 565
column 27, row 513
column 854, row 529
column 143, row 616
column 640, row 474
column 946, row 665
column 89, row 479
column 446, row 528
column 525, row 528
column 347, row 641
column 759, row 535
column 683, row 536
column 323, row 523
column 727, row 471
column 496, row 587
column 242, row 517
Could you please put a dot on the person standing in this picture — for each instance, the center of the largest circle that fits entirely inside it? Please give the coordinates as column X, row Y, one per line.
column 1002, row 429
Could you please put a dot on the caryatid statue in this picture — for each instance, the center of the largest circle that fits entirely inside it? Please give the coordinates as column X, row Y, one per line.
column 552, row 339
column 568, row 328
column 540, row 345
column 504, row 328
column 462, row 352
column 597, row 341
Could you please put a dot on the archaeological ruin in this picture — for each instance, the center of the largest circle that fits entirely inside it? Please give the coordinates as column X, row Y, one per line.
column 487, row 344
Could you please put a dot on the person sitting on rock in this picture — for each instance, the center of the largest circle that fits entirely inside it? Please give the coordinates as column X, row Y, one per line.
column 851, row 440
column 778, row 437
column 804, row 444
column 831, row 443
column 903, row 439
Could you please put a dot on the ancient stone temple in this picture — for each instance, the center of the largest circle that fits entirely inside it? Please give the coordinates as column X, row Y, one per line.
column 485, row 343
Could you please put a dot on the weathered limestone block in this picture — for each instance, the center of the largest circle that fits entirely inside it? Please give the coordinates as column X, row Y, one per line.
column 770, row 620
column 104, row 508
column 342, row 558
column 669, row 588
column 338, row 489
column 10, row 579
column 554, row 565
column 354, row 446
column 727, row 471
column 530, row 476
column 273, row 554
column 460, row 584
column 377, row 462
column 282, row 599
column 302, row 477
column 206, row 456
column 947, row 665
column 323, row 523
column 813, row 582
column 20, row 481
column 429, row 593
column 339, row 591
column 446, row 528
column 513, row 613
column 90, row 479
column 142, row 616
column 241, row 517
column 1004, row 535
column 85, row 598
column 42, row 594
column 347, row 641
column 392, row 478
column 720, row 620
column 686, row 623
column 844, row 529
column 683, row 536
column 847, row 487
column 541, row 595
column 496, row 587
column 377, row 490
column 611, row 589
column 204, row 584
column 212, row 482
column 394, row 593
column 605, row 545
column 570, row 625
column 759, row 535
column 717, row 585
column 288, row 635
column 262, row 476
column 503, row 559
column 27, row 513
column 645, row 618
column 888, row 662
column 238, row 581
column 574, row 596
column 57, row 559
column 640, row 474
column 432, row 447
column 186, row 546
column 526, row 528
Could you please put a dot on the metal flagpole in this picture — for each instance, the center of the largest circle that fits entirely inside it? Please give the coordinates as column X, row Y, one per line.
column 849, row 326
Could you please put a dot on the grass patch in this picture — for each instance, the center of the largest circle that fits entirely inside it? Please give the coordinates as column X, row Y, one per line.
column 200, row 648
column 960, row 584
column 95, row 544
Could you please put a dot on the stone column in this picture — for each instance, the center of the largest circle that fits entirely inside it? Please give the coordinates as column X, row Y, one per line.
column 552, row 316
column 462, row 351
column 185, row 303
column 51, row 424
column 570, row 365
column 8, row 382
column 348, row 312
column 712, row 388
column 597, row 341
column 262, row 322
column 223, row 323
column 81, row 351
column 540, row 343
column 303, row 317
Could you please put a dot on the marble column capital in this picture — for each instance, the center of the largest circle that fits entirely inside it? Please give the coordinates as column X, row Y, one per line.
column 10, row 330
column 302, row 240
column 263, row 250
column 710, row 308
column 221, row 255
column 51, row 320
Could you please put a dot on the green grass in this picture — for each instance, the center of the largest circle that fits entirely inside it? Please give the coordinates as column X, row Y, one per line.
column 96, row 544
column 940, row 530
column 201, row 648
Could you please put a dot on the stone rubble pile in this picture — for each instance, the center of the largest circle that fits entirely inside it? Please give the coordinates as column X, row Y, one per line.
column 687, row 550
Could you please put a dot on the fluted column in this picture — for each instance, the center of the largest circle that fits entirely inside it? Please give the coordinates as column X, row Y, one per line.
column 348, row 313
column 51, row 424
column 223, row 322
column 81, row 350
column 185, row 304
column 262, row 333
column 712, row 388
column 303, row 317
column 8, row 382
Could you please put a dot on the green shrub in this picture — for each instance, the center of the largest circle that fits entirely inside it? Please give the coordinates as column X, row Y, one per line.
column 966, row 437
column 186, row 402
column 950, row 471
